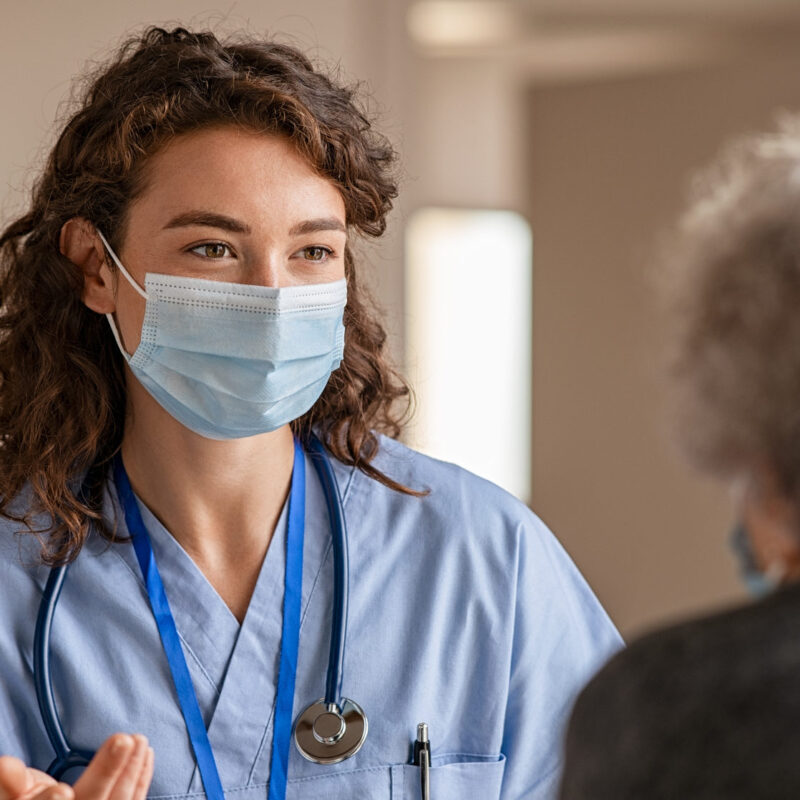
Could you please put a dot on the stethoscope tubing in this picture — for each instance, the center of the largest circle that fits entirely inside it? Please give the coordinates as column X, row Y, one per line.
column 341, row 571
column 66, row 756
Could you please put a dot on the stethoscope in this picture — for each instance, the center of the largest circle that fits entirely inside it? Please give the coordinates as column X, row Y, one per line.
column 327, row 731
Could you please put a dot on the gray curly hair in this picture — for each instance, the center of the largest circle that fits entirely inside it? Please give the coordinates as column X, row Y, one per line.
column 733, row 297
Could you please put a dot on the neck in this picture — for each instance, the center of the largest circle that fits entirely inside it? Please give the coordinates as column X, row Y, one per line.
column 220, row 500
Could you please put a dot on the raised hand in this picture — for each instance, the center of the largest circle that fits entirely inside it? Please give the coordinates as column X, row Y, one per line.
column 121, row 770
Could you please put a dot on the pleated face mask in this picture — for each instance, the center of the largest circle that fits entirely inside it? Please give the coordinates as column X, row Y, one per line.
column 228, row 360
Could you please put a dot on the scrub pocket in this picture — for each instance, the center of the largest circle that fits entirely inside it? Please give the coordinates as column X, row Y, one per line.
column 453, row 777
column 363, row 784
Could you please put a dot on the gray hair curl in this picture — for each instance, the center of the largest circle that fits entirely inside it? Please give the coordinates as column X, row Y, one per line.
column 733, row 292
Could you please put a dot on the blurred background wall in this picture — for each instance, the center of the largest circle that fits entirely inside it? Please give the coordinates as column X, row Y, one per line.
column 586, row 117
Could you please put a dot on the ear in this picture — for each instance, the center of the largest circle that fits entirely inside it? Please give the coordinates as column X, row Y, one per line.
column 80, row 243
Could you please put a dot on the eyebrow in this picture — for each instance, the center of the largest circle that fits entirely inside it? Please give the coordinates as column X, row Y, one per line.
column 226, row 223
column 208, row 219
column 317, row 225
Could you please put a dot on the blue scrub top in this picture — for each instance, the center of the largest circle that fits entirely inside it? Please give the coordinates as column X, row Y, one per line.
column 465, row 613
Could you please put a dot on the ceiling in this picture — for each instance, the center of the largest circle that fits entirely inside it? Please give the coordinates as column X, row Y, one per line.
column 562, row 40
column 683, row 11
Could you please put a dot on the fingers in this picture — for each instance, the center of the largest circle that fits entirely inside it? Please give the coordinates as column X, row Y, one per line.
column 13, row 778
column 135, row 774
column 18, row 782
column 145, row 776
column 38, row 779
column 100, row 777
column 120, row 770
column 54, row 791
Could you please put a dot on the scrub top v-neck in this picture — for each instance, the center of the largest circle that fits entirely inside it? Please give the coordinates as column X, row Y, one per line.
column 196, row 727
column 235, row 668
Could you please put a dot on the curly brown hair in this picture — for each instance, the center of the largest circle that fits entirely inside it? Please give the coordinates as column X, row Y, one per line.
column 733, row 292
column 62, row 382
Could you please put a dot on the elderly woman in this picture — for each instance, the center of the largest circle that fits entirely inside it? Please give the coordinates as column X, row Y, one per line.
column 711, row 708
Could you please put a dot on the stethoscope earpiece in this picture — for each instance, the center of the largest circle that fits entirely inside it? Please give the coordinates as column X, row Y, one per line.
column 326, row 733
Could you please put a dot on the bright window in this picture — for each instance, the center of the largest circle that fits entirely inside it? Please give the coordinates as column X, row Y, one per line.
column 468, row 333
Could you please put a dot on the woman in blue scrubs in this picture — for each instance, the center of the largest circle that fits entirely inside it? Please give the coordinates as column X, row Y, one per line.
column 181, row 309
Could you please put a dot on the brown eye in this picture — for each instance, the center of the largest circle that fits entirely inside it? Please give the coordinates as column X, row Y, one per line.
column 316, row 253
column 212, row 250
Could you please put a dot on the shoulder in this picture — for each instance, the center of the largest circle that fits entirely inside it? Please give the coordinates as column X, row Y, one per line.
column 668, row 677
column 401, row 461
column 712, row 685
column 23, row 538
column 450, row 491
column 20, row 544
column 484, row 530
column 464, row 503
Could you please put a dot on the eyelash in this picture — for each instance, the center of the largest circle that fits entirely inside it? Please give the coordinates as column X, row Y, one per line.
column 328, row 253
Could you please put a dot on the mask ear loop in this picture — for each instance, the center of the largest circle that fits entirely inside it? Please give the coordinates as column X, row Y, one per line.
column 131, row 281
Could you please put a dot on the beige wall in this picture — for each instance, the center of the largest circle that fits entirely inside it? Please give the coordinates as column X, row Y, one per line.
column 608, row 167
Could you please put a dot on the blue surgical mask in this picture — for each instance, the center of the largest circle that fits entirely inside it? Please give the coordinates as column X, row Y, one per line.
column 758, row 583
column 229, row 360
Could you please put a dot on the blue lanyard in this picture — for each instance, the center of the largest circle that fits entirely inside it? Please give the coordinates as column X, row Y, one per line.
column 290, row 637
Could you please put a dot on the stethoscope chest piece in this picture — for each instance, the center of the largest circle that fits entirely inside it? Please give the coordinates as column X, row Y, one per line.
column 327, row 734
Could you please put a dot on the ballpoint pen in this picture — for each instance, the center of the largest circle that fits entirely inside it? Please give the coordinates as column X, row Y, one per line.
column 422, row 759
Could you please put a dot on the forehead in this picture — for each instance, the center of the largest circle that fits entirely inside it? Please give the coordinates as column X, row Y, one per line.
column 237, row 172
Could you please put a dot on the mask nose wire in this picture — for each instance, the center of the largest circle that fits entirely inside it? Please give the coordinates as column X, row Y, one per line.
column 131, row 281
